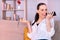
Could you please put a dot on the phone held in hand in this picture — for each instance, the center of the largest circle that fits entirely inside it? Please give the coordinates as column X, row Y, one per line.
column 54, row 13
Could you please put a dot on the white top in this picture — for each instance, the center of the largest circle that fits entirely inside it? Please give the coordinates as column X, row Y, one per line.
column 40, row 31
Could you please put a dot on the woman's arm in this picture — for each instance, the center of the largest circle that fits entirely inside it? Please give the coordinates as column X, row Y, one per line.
column 28, row 24
column 29, row 27
column 29, row 34
column 52, row 30
column 50, row 25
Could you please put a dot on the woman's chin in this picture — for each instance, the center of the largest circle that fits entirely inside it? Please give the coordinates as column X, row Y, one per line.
column 44, row 17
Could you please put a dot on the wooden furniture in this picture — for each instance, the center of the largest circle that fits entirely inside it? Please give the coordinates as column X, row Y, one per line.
column 7, row 7
column 11, row 30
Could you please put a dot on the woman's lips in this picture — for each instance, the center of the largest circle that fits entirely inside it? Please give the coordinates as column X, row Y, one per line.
column 44, row 14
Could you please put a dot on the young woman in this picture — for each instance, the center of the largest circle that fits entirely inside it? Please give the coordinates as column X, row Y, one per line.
column 43, row 26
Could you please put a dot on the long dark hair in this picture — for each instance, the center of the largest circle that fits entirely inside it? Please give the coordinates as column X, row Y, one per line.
column 37, row 15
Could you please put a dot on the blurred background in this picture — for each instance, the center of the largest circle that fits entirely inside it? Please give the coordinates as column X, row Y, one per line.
column 23, row 9
column 53, row 5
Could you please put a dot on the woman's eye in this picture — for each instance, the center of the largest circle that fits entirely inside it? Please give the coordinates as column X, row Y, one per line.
column 45, row 9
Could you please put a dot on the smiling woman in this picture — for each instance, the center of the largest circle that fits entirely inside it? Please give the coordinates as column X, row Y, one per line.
column 45, row 28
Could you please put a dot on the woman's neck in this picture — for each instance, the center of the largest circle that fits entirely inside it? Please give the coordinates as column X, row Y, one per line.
column 39, row 20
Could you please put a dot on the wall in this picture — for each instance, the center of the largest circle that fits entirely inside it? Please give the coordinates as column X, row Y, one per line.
column 53, row 5
column 31, row 8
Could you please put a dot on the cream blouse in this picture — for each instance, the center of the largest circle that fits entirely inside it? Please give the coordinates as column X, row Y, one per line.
column 40, row 31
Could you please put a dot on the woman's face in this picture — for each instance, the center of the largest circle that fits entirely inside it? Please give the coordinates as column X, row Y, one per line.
column 42, row 11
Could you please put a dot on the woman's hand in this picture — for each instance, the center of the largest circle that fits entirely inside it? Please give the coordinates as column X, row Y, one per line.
column 25, row 21
column 48, row 22
column 49, row 16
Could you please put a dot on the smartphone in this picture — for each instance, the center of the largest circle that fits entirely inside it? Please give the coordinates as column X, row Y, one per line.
column 54, row 13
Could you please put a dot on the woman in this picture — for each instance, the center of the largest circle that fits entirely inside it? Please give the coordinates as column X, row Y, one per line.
column 43, row 26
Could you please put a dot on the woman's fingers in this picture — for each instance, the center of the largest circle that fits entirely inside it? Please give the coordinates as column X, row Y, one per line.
column 25, row 21
column 49, row 15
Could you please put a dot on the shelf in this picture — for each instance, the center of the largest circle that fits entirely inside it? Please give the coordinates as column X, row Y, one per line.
column 11, row 7
column 13, row 0
column 13, row 10
column 9, row 0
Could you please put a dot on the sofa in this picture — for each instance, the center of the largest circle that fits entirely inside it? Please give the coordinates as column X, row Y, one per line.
column 56, row 35
column 57, row 31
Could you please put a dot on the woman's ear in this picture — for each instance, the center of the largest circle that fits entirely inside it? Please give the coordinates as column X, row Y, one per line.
column 37, row 11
